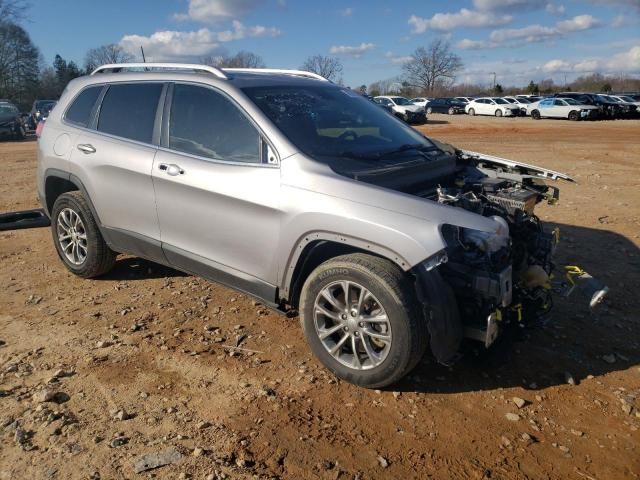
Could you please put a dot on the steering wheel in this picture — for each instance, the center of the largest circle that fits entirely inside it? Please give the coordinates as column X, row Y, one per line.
column 348, row 133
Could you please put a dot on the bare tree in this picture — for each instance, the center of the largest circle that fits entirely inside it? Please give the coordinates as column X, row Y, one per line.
column 431, row 66
column 328, row 67
column 13, row 10
column 19, row 67
column 112, row 53
column 242, row 59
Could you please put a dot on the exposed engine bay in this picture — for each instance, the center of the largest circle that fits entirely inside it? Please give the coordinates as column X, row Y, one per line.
column 499, row 278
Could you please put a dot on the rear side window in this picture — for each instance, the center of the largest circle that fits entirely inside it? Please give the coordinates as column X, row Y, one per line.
column 80, row 110
column 206, row 123
column 129, row 111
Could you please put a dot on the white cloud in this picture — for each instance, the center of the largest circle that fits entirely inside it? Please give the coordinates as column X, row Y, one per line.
column 509, row 37
column 554, row 9
column 625, row 62
column 397, row 59
column 347, row 12
column 508, row 5
column 463, row 18
column 354, row 51
column 622, row 3
column 212, row 11
column 176, row 45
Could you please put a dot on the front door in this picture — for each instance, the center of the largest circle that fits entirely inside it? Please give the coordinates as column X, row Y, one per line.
column 217, row 200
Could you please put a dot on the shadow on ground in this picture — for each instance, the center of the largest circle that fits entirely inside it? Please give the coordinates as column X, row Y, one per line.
column 574, row 342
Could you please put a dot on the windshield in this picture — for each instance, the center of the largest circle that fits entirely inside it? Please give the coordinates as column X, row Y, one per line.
column 401, row 101
column 627, row 99
column 571, row 101
column 500, row 101
column 511, row 100
column 326, row 121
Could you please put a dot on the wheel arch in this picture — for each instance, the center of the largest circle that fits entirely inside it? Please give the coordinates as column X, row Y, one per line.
column 318, row 247
column 58, row 182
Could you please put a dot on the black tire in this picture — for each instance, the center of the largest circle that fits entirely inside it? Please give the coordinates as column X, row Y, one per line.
column 396, row 294
column 20, row 132
column 471, row 112
column 535, row 114
column 574, row 116
column 498, row 113
column 451, row 111
column 429, row 110
column 99, row 257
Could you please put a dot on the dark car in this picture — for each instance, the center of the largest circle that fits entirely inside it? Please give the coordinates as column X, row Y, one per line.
column 445, row 105
column 606, row 108
column 11, row 123
column 40, row 111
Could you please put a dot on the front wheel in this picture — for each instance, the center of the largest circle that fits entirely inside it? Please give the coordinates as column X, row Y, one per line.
column 360, row 317
column 471, row 112
column 77, row 237
column 498, row 113
column 451, row 111
column 429, row 111
column 20, row 132
column 574, row 116
column 535, row 115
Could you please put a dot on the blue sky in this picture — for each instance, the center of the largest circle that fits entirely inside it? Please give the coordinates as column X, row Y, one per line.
column 520, row 40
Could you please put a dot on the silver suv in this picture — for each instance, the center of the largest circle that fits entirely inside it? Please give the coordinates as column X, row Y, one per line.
column 305, row 195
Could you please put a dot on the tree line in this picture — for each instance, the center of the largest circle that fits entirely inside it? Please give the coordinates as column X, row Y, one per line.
column 429, row 71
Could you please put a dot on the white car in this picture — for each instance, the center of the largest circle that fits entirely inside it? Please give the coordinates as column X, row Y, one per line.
column 491, row 106
column 519, row 102
column 403, row 108
column 422, row 101
column 561, row 108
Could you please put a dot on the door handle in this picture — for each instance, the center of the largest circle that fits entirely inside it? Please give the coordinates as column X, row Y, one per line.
column 86, row 148
column 171, row 169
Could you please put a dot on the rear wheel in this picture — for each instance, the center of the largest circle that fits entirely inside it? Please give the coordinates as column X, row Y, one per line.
column 574, row 116
column 429, row 110
column 361, row 319
column 471, row 112
column 451, row 111
column 77, row 238
column 498, row 113
column 20, row 132
column 535, row 114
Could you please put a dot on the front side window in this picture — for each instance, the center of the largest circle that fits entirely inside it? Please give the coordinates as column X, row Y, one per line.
column 206, row 123
column 129, row 110
column 500, row 101
column 332, row 124
column 401, row 101
column 80, row 110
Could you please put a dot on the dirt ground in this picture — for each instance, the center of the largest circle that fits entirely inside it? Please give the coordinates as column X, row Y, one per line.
column 139, row 360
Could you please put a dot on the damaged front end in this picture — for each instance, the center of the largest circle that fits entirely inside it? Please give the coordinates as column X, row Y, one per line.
column 506, row 277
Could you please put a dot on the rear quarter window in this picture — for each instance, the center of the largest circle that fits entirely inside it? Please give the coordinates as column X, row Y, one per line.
column 80, row 110
column 129, row 110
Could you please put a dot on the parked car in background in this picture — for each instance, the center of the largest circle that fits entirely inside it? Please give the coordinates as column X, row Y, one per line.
column 606, row 108
column 422, row 101
column 11, row 121
column 381, row 105
column 562, row 108
column 403, row 108
column 464, row 100
column 40, row 111
column 519, row 102
column 491, row 106
column 628, row 108
column 627, row 99
column 445, row 105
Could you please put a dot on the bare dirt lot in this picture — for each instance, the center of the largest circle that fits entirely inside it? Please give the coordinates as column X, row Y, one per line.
column 138, row 361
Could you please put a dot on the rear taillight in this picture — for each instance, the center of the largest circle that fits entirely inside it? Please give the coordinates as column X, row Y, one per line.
column 39, row 128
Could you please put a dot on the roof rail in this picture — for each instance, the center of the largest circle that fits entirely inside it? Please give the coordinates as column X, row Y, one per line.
column 297, row 73
column 112, row 67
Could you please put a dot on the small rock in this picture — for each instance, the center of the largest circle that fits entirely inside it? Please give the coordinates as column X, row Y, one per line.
column 198, row 452
column 520, row 402
column 611, row 358
column 47, row 395
column 512, row 417
column 203, row 425
column 627, row 408
column 563, row 448
column 119, row 441
column 103, row 344
column 121, row 415
column 156, row 460
column 569, row 378
column 384, row 463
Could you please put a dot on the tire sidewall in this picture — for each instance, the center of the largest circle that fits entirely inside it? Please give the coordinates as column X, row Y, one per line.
column 472, row 112
column 397, row 358
column 67, row 201
column 498, row 113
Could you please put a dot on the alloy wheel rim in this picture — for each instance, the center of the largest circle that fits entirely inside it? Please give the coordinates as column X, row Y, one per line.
column 72, row 236
column 352, row 325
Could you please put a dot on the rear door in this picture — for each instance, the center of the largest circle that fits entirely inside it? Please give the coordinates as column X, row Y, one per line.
column 217, row 194
column 113, row 158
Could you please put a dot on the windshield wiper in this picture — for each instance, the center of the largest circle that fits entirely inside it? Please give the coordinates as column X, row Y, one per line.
column 379, row 155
